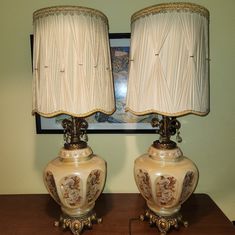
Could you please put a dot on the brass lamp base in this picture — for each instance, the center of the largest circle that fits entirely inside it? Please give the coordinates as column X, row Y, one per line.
column 164, row 223
column 77, row 224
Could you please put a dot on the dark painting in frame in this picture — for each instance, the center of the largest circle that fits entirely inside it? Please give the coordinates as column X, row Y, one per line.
column 120, row 121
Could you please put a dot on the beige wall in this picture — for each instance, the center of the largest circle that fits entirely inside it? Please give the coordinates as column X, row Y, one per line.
column 209, row 141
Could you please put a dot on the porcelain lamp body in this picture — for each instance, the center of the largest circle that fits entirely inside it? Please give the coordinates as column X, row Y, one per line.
column 75, row 180
column 165, row 178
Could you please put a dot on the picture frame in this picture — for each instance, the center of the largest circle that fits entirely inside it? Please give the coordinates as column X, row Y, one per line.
column 120, row 121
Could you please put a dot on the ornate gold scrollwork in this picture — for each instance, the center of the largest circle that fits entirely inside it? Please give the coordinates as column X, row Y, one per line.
column 75, row 136
column 164, row 223
column 77, row 224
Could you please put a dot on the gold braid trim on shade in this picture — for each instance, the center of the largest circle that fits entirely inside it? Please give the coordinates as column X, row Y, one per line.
column 169, row 7
column 151, row 111
column 56, row 113
column 44, row 12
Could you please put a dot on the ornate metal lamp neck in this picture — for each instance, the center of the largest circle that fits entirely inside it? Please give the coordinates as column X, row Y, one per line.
column 167, row 127
column 75, row 136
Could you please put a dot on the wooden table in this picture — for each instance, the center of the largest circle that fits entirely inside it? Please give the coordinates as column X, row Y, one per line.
column 35, row 215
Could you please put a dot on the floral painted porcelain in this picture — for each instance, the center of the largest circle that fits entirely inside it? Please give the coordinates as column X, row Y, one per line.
column 75, row 180
column 165, row 178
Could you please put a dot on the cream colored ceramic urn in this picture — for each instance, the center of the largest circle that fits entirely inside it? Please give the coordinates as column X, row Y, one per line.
column 75, row 179
column 165, row 178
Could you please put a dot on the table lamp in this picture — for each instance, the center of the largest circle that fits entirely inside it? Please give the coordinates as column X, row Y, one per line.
column 72, row 75
column 168, row 75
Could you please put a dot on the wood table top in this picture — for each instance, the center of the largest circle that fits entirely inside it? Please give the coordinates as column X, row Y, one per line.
column 36, row 214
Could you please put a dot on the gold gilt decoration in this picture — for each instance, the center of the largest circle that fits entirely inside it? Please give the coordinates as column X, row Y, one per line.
column 182, row 113
column 169, row 7
column 164, row 223
column 48, row 11
column 77, row 224
column 59, row 112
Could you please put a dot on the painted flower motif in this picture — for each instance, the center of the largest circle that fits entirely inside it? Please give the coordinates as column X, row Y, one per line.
column 50, row 183
column 93, row 185
column 144, row 184
column 165, row 189
column 71, row 190
column 187, row 186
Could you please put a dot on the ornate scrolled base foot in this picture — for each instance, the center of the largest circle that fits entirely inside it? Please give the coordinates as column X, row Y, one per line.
column 164, row 223
column 77, row 224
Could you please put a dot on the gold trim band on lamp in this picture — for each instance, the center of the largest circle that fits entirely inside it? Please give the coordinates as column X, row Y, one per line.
column 47, row 11
column 169, row 7
column 56, row 113
column 182, row 113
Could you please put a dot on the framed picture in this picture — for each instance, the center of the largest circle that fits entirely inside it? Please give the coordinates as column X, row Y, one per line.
column 120, row 121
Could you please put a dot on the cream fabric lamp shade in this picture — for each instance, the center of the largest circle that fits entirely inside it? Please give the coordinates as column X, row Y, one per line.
column 72, row 68
column 169, row 60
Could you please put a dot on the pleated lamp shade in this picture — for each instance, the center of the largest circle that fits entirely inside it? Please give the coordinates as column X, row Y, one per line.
column 169, row 59
column 71, row 62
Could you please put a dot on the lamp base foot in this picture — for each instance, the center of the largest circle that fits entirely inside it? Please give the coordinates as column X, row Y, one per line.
column 164, row 223
column 77, row 224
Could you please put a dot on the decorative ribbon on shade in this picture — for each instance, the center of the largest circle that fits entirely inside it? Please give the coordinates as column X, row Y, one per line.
column 169, row 60
column 72, row 65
